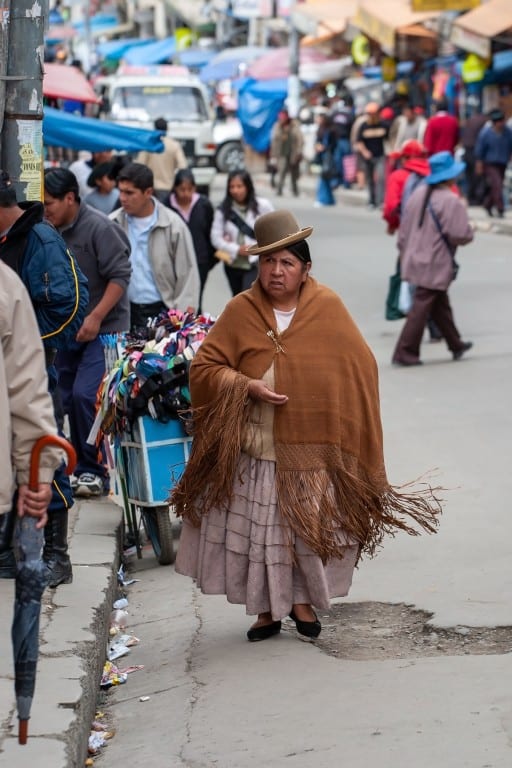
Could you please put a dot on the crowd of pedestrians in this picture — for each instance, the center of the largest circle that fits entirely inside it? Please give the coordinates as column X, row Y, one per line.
column 132, row 240
column 360, row 149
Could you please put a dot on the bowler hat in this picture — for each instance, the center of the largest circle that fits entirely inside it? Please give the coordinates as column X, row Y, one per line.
column 443, row 167
column 277, row 230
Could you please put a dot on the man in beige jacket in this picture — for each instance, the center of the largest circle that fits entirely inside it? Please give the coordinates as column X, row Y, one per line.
column 26, row 409
column 164, row 164
column 163, row 259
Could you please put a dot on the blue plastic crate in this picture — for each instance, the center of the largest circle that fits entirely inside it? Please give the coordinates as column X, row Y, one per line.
column 155, row 455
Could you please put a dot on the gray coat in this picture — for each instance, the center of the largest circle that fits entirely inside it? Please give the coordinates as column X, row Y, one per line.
column 425, row 258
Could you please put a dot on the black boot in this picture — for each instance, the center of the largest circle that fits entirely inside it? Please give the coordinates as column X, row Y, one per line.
column 55, row 552
column 7, row 559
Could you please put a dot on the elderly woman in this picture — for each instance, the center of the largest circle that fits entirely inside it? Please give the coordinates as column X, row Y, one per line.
column 286, row 483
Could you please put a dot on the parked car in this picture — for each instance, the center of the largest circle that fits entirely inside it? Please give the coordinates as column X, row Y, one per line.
column 227, row 135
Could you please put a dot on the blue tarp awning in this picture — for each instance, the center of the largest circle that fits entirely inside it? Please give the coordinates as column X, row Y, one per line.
column 152, row 53
column 258, row 105
column 115, row 49
column 195, row 58
column 97, row 22
column 60, row 129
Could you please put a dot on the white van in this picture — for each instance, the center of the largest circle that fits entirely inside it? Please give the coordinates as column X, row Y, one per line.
column 137, row 96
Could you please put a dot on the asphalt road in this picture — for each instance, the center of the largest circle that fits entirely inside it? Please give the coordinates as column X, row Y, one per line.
column 216, row 700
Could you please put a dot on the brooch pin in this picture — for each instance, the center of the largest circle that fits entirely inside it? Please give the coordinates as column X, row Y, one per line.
column 274, row 338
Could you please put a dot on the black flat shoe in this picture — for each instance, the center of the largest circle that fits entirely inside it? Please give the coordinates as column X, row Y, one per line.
column 265, row 631
column 306, row 628
column 465, row 348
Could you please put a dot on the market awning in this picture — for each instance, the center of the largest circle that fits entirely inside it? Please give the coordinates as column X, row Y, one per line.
column 153, row 53
column 473, row 31
column 383, row 20
column 60, row 129
column 115, row 49
column 322, row 18
column 61, row 81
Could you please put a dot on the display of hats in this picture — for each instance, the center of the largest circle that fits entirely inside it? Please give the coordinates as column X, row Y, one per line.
column 150, row 377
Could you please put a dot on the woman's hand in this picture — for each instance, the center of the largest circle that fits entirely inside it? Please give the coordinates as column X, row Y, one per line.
column 243, row 251
column 258, row 390
column 35, row 503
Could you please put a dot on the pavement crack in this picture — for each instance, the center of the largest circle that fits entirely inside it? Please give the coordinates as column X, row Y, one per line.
column 189, row 668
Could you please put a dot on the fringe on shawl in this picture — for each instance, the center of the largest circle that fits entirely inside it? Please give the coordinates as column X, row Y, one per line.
column 359, row 507
column 217, row 429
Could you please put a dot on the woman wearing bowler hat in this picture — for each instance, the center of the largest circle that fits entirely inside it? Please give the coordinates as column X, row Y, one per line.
column 435, row 222
column 285, row 485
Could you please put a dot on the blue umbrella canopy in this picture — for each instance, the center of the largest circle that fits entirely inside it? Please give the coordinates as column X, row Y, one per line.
column 195, row 58
column 61, row 129
column 115, row 49
column 228, row 64
column 152, row 53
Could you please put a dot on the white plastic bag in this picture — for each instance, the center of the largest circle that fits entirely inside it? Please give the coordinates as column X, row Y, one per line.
column 405, row 297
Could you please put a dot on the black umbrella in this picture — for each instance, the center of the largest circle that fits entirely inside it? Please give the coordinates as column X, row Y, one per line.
column 31, row 581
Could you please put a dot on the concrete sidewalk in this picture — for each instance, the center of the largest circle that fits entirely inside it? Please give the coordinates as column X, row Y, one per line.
column 358, row 197
column 73, row 641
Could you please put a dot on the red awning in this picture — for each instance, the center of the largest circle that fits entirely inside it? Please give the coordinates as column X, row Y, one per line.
column 64, row 82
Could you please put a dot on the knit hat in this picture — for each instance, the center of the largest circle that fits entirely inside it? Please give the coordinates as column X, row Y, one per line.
column 413, row 148
column 277, row 230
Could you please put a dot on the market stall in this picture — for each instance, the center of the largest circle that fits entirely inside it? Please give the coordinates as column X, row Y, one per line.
column 143, row 405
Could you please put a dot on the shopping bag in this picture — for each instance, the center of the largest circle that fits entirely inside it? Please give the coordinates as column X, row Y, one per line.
column 349, row 168
column 392, row 310
column 405, row 297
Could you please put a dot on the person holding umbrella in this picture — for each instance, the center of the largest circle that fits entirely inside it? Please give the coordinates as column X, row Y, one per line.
column 26, row 408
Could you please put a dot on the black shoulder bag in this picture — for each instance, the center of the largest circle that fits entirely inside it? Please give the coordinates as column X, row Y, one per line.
column 445, row 240
column 242, row 225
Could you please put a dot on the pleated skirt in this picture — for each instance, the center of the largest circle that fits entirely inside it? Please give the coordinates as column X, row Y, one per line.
column 249, row 553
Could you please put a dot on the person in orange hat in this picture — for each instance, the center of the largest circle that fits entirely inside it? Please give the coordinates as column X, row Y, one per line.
column 370, row 143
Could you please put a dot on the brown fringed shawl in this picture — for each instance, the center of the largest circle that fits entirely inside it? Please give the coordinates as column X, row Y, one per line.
column 328, row 435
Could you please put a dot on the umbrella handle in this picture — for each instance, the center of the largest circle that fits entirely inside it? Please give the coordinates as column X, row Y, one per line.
column 38, row 446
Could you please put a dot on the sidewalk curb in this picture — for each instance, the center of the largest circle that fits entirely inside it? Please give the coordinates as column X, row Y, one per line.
column 73, row 641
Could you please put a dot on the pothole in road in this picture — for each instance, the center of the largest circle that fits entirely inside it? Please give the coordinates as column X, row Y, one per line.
column 377, row 631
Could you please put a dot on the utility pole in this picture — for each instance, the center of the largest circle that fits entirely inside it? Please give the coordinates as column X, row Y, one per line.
column 293, row 101
column 22, row 109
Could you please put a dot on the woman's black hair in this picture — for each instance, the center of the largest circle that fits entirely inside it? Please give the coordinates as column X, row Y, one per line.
column 300, row 250
column 250, row 200
column 184, row 174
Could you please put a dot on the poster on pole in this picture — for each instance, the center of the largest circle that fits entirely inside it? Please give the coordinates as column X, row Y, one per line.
column 30, row 142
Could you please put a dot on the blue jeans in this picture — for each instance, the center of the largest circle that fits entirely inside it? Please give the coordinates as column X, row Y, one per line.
column 80, row 374
column 324, row 193
column 343, row 148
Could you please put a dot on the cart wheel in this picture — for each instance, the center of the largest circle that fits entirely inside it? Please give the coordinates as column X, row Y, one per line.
column 157, row 523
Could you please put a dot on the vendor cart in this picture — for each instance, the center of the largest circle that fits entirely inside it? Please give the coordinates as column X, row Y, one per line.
column 150, row 459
